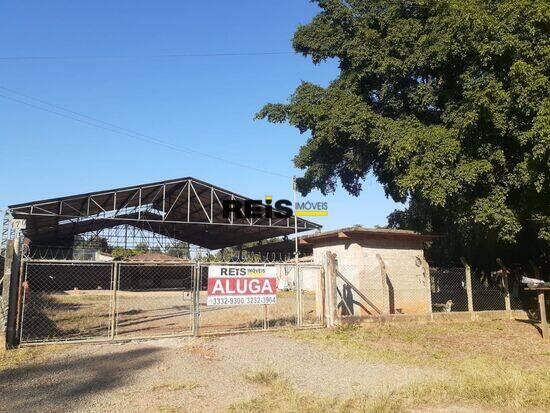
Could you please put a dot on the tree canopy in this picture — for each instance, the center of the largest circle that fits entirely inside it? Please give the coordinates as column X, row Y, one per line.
column 446, row 102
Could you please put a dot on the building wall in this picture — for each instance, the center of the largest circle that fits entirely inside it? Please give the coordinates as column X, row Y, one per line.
column 406, row 289
column 311, row 275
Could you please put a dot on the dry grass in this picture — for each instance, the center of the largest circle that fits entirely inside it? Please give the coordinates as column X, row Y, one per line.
column 493, row 365
column 480, row 385
column 177, row 386
column 280, row 396
column 440, row 345
column 168, row 409
column 16, row 357
column 200, row 348
column 265, row 377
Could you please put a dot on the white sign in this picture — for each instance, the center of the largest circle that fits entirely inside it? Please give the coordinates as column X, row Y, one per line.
column 241, row 285
column 19, row 224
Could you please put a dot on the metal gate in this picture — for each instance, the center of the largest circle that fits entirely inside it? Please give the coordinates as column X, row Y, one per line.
column 66, row 301
column 91, row 300
column 153, row 299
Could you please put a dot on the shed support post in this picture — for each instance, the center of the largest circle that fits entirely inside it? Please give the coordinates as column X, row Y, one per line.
column 384, row 283
column 320, row 297
column 331, row 289
column 468, row 274
column 428, row 281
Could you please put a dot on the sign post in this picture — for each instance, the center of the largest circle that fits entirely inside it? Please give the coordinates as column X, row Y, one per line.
column 241, row 285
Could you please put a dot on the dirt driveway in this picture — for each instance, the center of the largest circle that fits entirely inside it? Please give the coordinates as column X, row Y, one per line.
column 205, row 374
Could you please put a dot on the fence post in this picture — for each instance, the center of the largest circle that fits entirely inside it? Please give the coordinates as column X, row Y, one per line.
column 468, row 274
column 331, row 289
column 298, row 279
column 11, row 291
column 543, row 322
column 114, row 310
column 196, row 298
column 6, row 292
column 384, row 279
column 505, row 273
column 320, row 296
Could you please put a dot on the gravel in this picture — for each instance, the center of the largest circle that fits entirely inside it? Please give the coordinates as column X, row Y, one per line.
column 191, row 374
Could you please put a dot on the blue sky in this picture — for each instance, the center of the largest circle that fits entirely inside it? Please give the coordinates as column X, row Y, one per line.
column 110, row 67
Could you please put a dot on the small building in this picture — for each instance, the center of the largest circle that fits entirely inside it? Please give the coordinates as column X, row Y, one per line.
column 385, row 265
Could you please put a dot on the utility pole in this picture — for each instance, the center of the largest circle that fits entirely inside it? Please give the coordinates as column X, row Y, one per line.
column 295, row 221
column 296, row 268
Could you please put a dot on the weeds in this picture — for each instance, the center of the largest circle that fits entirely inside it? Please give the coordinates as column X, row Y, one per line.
column 167, row 409
column 435, row 345
column 202, row 350
column 496, row 365
column 264, row 377
column 487, row 385
column 16, row 357
column 177, row 386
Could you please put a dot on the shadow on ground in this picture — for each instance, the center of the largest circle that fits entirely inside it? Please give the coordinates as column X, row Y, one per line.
column 58, row 385
column 534, row 321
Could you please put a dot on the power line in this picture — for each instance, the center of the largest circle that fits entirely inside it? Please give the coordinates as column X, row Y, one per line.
column 98, row 123
column 154, row 56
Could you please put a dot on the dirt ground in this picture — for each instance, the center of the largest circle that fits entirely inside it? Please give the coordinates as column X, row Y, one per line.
column 205, row 374
column 487, row 366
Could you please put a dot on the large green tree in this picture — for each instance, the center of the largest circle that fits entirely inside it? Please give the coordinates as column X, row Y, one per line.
column 446, row 102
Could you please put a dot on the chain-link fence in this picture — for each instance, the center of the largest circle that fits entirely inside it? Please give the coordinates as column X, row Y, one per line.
column 488, row 290
column 84, row 300
column 375, row 288
column 154, row 299
column 448, row 289
column 67, row 300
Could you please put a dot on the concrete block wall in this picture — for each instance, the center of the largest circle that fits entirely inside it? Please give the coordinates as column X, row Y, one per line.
column 406, row 290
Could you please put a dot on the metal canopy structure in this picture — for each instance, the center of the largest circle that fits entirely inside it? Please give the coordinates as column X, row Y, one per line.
column 185, row 209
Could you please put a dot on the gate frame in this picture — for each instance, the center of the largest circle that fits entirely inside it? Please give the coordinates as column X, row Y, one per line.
column 265, row 326
column 191, row 265
column 22, row 299
column 112, row 336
